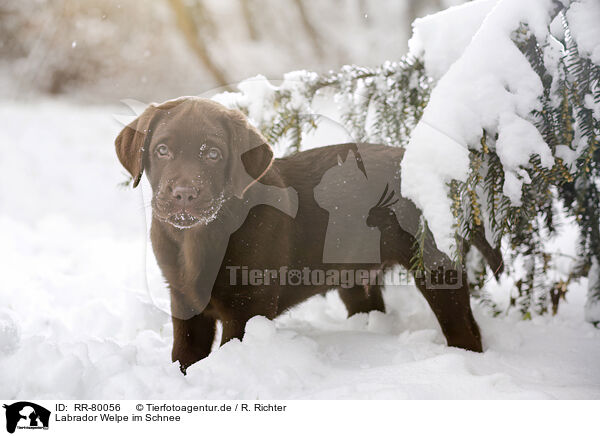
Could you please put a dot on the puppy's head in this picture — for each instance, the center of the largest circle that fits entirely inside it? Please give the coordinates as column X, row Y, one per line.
column 197, row 154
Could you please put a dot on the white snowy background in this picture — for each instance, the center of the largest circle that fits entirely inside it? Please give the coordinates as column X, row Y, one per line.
column 77, row 319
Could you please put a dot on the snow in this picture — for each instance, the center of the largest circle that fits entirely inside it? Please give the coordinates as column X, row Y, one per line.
column 518, row 139
column 567, row 155
column 257, row 92
column 433, row 158
column 583, row 18
column 430, row 35
column 490, row 86
column 77, row 319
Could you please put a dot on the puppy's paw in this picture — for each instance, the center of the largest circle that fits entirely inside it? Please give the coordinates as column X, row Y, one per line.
column 183, row 369
column 186, row 358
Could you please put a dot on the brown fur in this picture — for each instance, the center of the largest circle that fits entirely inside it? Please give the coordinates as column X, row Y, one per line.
column 267, row 238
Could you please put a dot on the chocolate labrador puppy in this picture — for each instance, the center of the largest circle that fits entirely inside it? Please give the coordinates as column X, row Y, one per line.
column 237, row 233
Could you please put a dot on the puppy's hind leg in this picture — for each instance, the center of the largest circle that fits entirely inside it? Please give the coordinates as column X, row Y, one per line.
column 360, row 299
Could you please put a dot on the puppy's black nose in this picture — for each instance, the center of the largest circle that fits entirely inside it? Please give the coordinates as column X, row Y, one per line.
column 184, row 193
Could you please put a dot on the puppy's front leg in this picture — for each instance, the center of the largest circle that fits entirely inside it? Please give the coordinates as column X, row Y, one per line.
column 244, row 305
column 193, row 332
column 192, row 339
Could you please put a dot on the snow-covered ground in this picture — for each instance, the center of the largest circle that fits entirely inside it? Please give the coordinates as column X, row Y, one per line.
column 77, row 319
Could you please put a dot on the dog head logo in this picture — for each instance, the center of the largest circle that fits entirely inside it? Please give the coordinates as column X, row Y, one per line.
column 26, row 415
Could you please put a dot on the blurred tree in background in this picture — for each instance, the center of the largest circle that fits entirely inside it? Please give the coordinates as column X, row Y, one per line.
column 100, row 50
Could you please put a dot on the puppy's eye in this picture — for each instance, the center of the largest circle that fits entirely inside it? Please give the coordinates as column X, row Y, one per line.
column 214, row 154
column 162, row 150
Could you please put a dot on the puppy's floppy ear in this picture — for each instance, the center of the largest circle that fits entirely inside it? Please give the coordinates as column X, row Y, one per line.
column 251, row 155
column 131, row 142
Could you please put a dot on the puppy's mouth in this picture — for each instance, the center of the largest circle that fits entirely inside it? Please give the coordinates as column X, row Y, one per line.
column 185, row 218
